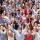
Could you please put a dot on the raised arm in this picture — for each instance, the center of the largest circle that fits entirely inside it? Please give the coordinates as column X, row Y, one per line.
column 15, row 31
column 23, row 31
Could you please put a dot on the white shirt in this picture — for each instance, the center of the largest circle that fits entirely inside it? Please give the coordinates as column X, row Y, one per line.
column 36, row 1
column 35, row 11
column 18, row 35
column 37, row 36
column 7, row 19
column 11, row 38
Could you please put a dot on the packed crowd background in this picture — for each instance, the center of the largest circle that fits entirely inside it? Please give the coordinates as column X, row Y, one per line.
column 20, row 20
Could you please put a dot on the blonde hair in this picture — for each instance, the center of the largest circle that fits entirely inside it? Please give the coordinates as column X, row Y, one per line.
column 9, row 33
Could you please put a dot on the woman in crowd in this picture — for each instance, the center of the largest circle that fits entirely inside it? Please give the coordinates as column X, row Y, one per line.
column 10, row 35
column 28, row 35
column 3, row 35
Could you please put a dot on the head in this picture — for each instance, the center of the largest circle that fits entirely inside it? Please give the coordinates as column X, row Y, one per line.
column 2, row 27
column 20, row 29
column 6, row 25
column 36, row 24
column 34, row 28
column 29, row 31
column 10, row 33
column 35, row 7
column 9, row 15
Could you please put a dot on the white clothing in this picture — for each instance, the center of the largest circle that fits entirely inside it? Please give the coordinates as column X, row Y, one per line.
column 19, row 36
column 11, row 38
column 37, row 36
column 35, row 11
column 36, row 1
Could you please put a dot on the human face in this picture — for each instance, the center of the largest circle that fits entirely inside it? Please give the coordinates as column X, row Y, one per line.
column 19, row 29
column 36, row 24
column 2, row 27
column 39, row 31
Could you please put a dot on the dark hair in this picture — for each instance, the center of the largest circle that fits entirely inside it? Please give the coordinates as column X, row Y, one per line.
column 1, row 1
column 36, row 22
column 1, row 10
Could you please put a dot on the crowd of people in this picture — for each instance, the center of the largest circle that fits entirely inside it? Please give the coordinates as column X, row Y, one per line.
column 20, row 20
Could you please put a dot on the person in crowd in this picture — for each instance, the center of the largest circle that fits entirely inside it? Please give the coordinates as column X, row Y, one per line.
column 20, row 20
column 37, row 34
column 3, row 35
column 10, row 35
column 19, row 33
column 28, row 35
column 1, row 19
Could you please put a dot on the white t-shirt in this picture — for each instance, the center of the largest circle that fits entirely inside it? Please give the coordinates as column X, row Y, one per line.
column 37, row 36
column 19, row 36
column 36, row 1
column 11, row 38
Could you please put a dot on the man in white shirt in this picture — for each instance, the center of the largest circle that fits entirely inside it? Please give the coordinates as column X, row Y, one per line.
column 20, row 33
